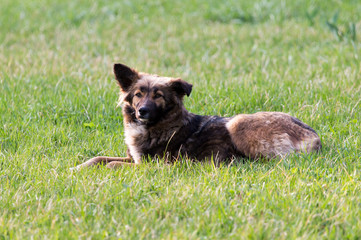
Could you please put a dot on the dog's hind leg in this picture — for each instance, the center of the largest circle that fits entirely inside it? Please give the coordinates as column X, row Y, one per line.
column 102, row 160
column 271, row 134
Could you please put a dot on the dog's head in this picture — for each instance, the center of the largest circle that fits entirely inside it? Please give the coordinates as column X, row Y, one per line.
column 149, row 97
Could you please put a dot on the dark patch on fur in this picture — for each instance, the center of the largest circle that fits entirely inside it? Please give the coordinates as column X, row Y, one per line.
column 201, row 138
column 301, row 124
column 129, row 113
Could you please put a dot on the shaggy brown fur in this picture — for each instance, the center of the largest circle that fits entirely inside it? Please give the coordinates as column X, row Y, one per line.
column 157, row 124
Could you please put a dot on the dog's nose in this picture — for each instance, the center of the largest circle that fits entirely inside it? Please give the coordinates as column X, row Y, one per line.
column 143, row 112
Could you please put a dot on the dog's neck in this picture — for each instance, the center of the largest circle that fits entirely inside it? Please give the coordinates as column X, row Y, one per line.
column 139, row 135
column 176, row 119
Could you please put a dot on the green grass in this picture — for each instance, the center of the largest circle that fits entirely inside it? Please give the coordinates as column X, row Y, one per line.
column 58, row 109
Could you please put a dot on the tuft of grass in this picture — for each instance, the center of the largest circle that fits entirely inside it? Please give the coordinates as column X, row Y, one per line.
column 348, row 33
column 58, row 109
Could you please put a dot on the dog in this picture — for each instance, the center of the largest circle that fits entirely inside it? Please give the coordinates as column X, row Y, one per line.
column 156, row 124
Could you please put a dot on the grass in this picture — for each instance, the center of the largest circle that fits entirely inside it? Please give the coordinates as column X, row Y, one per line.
column 58, row 109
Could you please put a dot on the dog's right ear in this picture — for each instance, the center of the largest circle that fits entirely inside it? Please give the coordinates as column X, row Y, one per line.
column 181, row 87
column 125, row 76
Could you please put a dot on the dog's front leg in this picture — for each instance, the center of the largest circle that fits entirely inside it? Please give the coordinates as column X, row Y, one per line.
column 102, row 160
column 117, row 164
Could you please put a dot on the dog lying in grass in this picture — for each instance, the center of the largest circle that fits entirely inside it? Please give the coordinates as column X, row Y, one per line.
column 156, row 124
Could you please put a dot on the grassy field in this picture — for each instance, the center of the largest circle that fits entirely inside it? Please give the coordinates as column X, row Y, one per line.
column 58, row 109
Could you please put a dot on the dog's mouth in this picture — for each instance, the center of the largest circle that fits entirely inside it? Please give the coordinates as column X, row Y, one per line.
column 143, row 120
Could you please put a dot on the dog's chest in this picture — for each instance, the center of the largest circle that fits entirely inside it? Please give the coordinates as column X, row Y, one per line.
column 142, row 141
column 135, row 135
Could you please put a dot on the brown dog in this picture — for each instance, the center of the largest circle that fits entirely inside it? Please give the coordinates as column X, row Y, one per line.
column 157, row 125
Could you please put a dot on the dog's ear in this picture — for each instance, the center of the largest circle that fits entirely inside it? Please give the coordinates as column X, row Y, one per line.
column 125, row 76
column 181, row 87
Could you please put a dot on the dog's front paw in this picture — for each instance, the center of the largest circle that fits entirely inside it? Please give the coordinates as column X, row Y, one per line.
column 75, row 169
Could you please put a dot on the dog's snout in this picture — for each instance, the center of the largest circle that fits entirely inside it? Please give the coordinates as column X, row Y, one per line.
column 143, row 112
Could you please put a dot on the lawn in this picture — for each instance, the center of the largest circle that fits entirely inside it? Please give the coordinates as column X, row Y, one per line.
column 58, row 108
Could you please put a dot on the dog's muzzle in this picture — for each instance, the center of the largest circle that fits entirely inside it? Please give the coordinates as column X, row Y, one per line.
column 143, row 113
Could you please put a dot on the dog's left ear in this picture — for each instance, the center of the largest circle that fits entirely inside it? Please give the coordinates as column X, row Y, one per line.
column 125, row 76
column 181, row 87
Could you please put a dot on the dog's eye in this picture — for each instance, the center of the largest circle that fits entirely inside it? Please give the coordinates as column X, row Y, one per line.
column 157, row 95
column 138, row 94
